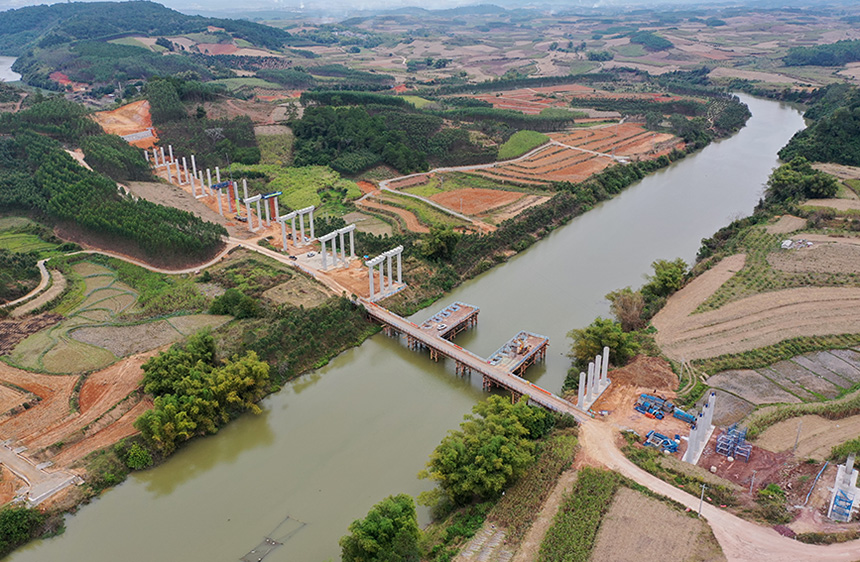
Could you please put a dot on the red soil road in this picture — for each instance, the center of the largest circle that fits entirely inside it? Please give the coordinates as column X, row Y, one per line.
column 412, row 222
column 473, row 201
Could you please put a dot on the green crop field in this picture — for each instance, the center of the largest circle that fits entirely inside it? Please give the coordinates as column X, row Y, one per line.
column 427, row 214
column 520, row 143
column 417, row 101
column 630, row 50
column 21, row 235
column 132, row 42
column 22, row 243
column 303, row 186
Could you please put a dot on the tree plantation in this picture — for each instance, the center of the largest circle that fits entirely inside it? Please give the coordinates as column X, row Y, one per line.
column 37, row 173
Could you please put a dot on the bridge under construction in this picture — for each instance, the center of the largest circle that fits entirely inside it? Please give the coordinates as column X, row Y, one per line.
column 501, row 371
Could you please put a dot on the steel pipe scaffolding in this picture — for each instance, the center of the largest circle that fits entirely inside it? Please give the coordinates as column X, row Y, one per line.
column 380, row 260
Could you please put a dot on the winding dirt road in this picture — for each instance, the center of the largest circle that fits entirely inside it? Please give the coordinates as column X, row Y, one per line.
column 739, row 539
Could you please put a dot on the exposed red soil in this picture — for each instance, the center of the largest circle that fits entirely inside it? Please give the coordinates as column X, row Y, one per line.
column 412, row 222
column 644, row 374
column 60, row 78
column 366, row 187
column 474, row 201
column 55, row 392
column 217, row 48
column 132, row 118
column 120, row 429
column 99, row 393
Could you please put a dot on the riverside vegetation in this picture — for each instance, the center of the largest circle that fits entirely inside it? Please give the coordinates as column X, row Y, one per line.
column 502, row 448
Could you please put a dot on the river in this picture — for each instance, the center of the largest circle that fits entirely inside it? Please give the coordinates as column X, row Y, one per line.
column 336, row 441
column 6, row 74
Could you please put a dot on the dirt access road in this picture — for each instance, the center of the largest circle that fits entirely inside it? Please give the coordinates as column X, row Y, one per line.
column 739, row 539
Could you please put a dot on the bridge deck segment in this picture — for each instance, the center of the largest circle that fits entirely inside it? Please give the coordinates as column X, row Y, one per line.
column 467, row 361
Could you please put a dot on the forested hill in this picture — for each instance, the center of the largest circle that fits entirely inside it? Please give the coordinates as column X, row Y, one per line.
column 92, row 42
column 48, row 26
column 834, row 135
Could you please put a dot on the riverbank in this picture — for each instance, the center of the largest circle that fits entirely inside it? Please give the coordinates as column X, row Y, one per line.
column 368, row 420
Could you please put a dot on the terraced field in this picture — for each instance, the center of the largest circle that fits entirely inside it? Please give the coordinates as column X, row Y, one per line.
column 88, row 339
column 575, row 155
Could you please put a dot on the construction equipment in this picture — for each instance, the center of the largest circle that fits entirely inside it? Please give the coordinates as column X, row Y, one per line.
column 660, row 441
column 684, row 416
column 650, row 406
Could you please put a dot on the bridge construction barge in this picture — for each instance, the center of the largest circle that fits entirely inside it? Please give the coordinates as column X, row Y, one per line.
column 419, row 337
column 520, row 352
column 451, row 320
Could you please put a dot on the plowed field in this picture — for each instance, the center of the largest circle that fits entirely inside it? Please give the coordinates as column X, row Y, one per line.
column 532, row 101
column 753, row 322
column 575, row 155
column 473, row 201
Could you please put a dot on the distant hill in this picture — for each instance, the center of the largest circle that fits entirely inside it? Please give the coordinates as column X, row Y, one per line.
column 73, row 38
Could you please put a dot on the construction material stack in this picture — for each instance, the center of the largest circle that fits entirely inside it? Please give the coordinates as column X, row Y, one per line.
column 660, row 441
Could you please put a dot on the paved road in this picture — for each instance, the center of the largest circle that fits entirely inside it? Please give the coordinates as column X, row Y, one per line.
column 42, row 284
column 42, row 484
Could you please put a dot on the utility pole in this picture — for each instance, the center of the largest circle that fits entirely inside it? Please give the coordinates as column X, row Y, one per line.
column 752, row 482
column 702, row 499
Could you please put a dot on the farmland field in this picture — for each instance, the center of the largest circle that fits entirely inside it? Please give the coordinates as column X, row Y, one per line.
column 520, row 143
column 577, row 154
column 627, row 532
column 301, row 187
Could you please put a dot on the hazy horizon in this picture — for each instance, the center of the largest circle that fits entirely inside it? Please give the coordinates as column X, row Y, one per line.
column 251, row 6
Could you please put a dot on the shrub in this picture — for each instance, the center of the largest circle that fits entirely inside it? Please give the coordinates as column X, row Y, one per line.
column 138, row 458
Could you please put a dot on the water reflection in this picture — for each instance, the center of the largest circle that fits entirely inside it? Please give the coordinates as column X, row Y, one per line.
column 203, row 454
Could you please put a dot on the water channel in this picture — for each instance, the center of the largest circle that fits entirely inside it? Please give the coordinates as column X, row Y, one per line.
column 6, row 74
column 336, row 441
